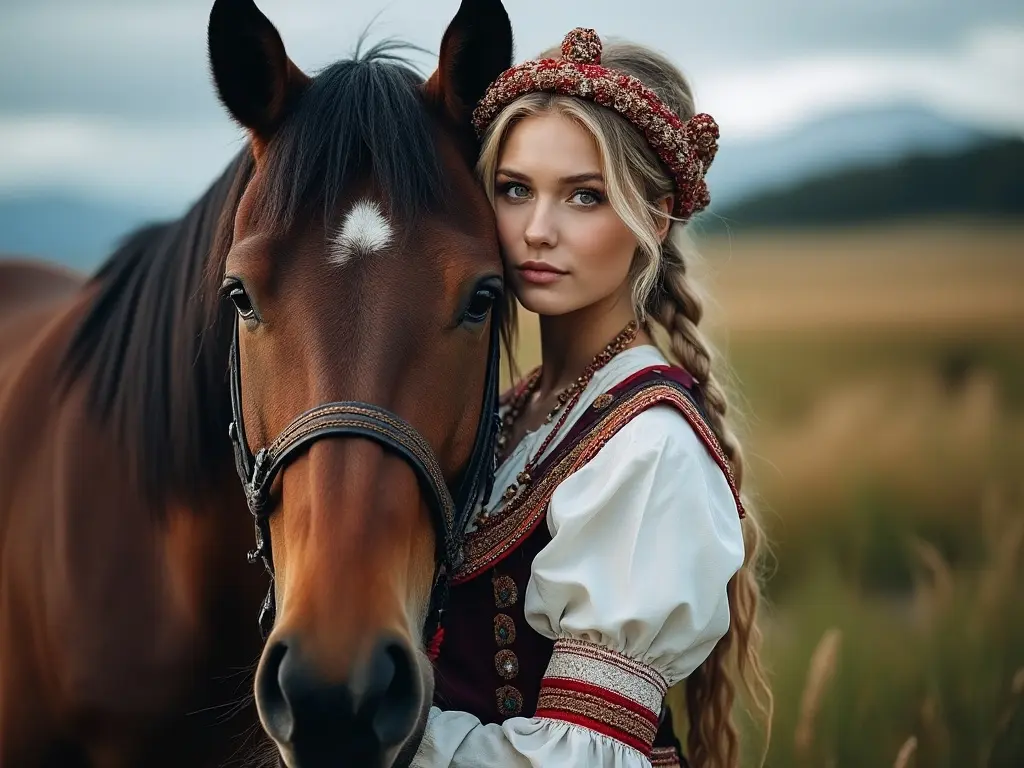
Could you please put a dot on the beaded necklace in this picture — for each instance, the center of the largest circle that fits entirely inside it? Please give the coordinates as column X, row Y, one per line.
column 565, row 401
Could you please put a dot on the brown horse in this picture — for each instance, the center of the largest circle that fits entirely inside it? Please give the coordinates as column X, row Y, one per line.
column 360, row 263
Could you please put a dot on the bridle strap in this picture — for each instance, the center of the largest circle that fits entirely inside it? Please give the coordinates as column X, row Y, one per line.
column 364, row 420
column 352, row 419
column 477, row 478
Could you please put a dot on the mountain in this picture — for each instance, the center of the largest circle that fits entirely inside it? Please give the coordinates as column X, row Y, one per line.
column 985, row 179
column 848, row 139
column 80, row 232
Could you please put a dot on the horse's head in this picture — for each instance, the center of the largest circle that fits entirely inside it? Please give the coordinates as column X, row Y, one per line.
column 364, row 269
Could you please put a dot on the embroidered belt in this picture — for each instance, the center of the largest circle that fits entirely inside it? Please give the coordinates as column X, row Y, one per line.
column 596, row 688
column 665, row 757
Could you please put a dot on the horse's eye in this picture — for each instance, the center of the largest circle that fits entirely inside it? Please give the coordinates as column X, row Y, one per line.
column 243, row 305
column 479, row 306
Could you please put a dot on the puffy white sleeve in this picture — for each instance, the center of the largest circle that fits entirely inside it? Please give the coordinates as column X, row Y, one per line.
column 632, row 588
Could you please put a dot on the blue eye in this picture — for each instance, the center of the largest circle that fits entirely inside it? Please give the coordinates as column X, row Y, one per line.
column 516, row 191
column 587, row 198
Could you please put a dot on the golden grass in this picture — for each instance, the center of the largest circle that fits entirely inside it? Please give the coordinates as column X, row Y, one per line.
column 904, row 427
column 881, row 375
column 884, row 277
column 881, row 278
column 884, row 358
column 906, row 753
column 819, row 674
column 935, row 677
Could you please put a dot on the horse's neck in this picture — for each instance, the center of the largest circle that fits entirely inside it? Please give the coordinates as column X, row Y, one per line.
column 91, row 551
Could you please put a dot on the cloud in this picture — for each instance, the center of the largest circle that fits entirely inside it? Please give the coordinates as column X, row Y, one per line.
column 156, row 165
column 114, row 98
column 979, row 83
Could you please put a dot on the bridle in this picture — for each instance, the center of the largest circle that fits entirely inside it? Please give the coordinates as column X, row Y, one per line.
column 347, row 419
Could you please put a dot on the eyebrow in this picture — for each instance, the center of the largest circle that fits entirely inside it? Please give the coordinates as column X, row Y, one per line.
column 578, row 178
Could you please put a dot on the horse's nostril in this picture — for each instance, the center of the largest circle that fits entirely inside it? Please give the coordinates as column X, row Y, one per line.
column 277, row 714
column 393, row 697
column 324, row 722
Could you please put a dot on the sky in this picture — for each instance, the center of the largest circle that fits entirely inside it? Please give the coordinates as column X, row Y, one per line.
column 113, row 97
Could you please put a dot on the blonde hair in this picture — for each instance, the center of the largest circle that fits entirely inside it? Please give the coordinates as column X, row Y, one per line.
column 664, row 293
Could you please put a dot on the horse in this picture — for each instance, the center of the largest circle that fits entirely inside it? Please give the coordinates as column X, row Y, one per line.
column 346, row 256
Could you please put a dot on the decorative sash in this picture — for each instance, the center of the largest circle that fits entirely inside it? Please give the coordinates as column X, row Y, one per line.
column 497, row 537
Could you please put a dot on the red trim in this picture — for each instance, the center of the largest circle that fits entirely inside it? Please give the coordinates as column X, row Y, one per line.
column 707, row 436
column 596, row 725
column 679, row 375
column 578, row 686
column 667, row 381
column 434, row 648
column 515, row 390
column 521, row 536
column 600, row 726
column 665, row 756
column 651, row 375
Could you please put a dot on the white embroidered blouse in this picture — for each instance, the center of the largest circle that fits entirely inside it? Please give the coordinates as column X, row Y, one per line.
column 632, row 586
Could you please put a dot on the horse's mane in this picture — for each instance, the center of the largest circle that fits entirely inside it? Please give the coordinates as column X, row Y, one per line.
column 359, row 115
column 153, row 345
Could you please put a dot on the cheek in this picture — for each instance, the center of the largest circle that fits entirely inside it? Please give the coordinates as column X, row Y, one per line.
column 603, row 242
column 511, row 222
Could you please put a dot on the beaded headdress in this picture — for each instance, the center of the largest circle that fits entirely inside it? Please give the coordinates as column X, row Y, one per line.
column 686, row 149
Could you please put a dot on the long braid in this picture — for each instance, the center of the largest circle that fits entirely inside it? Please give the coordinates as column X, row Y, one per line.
column 713, row 738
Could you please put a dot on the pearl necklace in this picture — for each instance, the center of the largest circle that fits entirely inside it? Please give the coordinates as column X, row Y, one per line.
column 565, row 401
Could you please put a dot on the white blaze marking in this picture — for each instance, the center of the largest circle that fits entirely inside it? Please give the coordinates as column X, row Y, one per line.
column 364, row 231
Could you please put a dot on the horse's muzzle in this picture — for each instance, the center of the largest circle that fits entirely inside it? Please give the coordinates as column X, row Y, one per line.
column 317, row 722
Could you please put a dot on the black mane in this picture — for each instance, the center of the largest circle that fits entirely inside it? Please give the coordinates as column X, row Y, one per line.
column 359, row 115
column 153, row 345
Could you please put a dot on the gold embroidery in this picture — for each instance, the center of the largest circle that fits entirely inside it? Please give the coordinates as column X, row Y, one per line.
column 509, row 700
column 598, row 709
column 506, row 663
column 506, row 593
column 665, row 757
column 585, row 662
column 504, row 629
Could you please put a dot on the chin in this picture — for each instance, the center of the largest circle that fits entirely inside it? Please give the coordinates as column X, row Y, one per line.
column 542, row 300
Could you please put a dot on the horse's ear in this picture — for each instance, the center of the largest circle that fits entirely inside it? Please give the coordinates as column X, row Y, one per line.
column 476, row 48
column 255, row 79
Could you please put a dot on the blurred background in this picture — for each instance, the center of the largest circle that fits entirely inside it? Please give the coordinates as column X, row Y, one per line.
column 864, row 265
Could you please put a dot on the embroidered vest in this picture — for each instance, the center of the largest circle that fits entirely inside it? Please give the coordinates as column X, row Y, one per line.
column 492, row 662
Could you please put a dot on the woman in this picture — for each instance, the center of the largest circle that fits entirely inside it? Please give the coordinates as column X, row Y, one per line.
column 614, row 558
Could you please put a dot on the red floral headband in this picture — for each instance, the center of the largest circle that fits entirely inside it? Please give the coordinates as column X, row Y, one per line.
column 687, row 149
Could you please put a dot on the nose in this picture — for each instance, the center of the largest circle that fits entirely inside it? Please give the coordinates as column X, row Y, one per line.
column 540, row 228
column 324, row 723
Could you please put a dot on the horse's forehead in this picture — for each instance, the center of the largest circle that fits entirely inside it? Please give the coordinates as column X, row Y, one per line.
column 364, row 230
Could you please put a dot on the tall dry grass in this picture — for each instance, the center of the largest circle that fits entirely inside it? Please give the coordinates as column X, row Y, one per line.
column 819, row 675
column 937, row 680
column 881, row 373
column 906, row 753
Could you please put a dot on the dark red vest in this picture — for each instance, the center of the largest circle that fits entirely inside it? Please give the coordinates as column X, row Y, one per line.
column 491, row 661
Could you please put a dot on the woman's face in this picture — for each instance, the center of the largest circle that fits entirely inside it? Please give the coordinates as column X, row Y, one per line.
column 567, row 247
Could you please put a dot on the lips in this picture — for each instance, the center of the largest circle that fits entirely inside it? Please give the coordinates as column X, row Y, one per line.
column 539, row 273
column 540, row 266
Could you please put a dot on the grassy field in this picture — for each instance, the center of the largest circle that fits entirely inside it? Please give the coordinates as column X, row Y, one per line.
column 879, row 374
